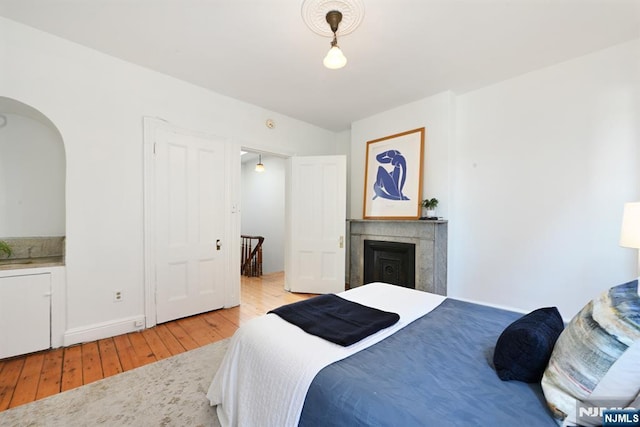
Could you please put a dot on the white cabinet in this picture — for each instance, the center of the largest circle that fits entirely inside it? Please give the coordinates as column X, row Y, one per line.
column 25, row 314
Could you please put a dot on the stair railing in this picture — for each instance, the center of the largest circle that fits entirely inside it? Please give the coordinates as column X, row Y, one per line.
column 251, row 255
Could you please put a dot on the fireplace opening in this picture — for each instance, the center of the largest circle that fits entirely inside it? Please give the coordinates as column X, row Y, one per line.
column 390, row 262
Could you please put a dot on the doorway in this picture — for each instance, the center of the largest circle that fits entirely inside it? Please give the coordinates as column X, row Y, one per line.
column 263, row 205
column 311, row 213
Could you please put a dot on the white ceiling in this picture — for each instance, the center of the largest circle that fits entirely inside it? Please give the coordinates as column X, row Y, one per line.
column 261, row 52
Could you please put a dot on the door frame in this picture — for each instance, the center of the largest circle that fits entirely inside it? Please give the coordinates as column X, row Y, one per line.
column 287, row 197
column 239, row 189
column 231, row 282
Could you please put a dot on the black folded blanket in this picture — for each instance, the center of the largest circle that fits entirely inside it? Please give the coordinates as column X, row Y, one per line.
column 336, row 319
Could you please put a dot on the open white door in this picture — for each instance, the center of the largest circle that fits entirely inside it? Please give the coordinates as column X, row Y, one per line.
column 316, row 215
column 190, row 245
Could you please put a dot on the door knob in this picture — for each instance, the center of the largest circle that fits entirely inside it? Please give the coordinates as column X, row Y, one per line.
column 218, row 245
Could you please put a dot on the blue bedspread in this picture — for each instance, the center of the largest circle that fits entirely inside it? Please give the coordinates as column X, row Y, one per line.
column 434, row 372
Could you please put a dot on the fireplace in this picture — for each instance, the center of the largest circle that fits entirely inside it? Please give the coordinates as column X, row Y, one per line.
column 428, row 238
column 390, row 262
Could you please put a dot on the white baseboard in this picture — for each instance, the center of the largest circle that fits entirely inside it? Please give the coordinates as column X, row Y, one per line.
column 103, row 330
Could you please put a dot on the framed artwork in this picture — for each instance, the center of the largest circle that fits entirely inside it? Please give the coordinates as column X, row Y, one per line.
column 393, row 176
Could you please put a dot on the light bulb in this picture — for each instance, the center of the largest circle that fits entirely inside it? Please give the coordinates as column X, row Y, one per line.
column 260, row 167
column 335, row 58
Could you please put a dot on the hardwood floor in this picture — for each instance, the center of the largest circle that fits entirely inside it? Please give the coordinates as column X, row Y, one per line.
column 34, row 376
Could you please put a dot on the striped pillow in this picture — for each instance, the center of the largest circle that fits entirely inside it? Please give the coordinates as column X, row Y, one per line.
column 597, row 357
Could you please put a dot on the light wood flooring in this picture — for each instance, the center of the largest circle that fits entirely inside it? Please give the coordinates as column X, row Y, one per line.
column 34, row 376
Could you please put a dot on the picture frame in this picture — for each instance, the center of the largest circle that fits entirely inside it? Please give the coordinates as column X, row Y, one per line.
column 393, row 176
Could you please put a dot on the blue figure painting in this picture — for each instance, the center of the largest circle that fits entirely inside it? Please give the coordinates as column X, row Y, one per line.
column 389, row 184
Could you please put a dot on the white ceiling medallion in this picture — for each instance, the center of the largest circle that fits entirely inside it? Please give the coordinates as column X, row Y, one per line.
column 314, row 14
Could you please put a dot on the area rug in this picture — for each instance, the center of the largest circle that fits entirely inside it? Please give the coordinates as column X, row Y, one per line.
column 170, row 392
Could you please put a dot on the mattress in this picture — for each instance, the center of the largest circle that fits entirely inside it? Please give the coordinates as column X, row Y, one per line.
column 264, row 377
column 432, row 368
column 436, row 371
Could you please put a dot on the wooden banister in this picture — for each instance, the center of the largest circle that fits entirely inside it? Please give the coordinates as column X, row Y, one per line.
column 251, row 256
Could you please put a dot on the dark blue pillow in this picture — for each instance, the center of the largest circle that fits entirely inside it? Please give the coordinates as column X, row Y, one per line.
column 524, row 347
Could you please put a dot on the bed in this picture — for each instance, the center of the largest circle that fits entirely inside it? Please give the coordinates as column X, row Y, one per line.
column 433, row 367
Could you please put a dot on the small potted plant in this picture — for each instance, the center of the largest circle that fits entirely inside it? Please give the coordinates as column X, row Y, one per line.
column 4, row 247
column 430, row 205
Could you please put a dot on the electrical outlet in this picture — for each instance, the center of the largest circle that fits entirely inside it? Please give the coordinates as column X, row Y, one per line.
column 138, row 323
column 117, row 296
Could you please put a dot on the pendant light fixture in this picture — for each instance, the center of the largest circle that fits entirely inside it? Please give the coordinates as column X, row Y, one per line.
column 335, row 58
column 259, row 166
column 345, row 15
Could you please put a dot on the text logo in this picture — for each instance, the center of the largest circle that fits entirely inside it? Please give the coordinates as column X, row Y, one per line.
column 608, row 413
column 620, row 418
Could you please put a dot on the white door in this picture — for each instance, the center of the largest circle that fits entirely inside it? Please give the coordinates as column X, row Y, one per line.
column 190, row 243
column 315, row 261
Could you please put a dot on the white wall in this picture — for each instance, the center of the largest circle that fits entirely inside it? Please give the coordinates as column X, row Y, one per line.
column 32, row 171
column 532, row 174
column 544, row 163
column 343, row 147
column 433, row 113
column 97, row 103
column 262, row 209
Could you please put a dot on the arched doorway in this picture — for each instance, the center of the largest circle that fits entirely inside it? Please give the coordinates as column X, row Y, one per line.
column 32, row 173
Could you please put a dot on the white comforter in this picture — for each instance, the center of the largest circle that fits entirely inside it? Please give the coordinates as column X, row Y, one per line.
column 270, row 364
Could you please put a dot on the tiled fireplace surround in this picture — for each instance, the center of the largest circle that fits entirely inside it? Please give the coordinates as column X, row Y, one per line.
column 429, row 238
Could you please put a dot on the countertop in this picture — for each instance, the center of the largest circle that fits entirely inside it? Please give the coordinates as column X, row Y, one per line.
column 20, row 263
